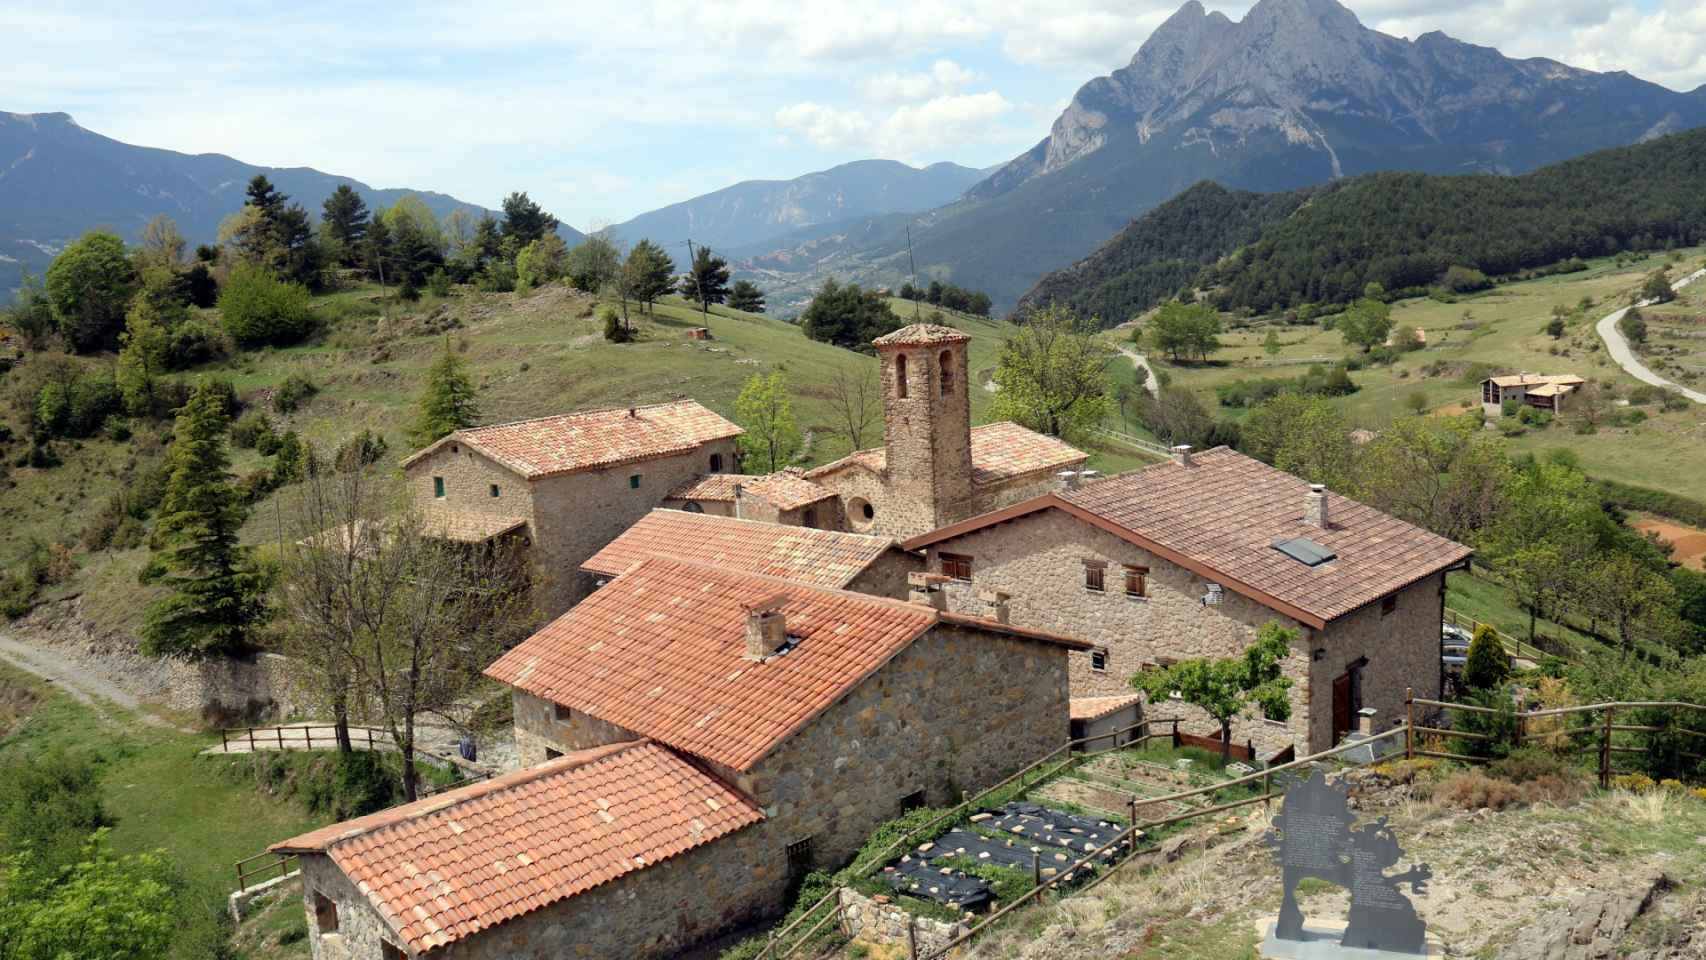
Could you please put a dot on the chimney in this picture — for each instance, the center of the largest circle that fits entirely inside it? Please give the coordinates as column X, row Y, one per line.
column 1315, row 506
column 737, row 501
column 996, row 602
column 766, row 627
column 1089, row 476
column 926, row 589
column 632, row 412
column 1182, row 454
column 1365, row 721
column 1068, row 479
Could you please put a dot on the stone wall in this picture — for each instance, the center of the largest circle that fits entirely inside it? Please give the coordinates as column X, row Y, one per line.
column 870, row 920
column 1040, row 559
column 570, row 517
column 538, row 729
column 232, row 690
column 957, row 710
column 655, row 912
column 887, row 576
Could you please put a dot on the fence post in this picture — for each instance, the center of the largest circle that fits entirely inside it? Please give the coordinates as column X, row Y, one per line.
column 251, row 739
column 223, row 746
column 1036, row 868
column 1267, row 790
column 1516, row 735
column 309, row 730
column 1409, row 723
column 280, row 732
column 911, row 937
column 1175, row 733
column 1605, row 754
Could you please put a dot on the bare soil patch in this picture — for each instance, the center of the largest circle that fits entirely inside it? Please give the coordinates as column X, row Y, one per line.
column 1688, row 544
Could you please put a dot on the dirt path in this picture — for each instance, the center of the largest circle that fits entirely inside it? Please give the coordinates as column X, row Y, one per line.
column 1625, row 357
column 87, row 689
column 1141, row 362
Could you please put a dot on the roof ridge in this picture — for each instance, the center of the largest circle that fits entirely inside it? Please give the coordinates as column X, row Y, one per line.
column 587, row 411
column 713, row 518
column 889, row 602
column 451, row 799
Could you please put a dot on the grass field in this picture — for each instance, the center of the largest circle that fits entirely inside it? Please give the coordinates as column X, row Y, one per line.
column 161, row 795
column 1502, row 328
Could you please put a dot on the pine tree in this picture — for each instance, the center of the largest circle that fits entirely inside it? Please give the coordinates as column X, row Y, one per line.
column 525, row 221
column 344, row 215
column 746, row 297
column 448, row 404
column 265, row 198
column 707, row 280
column 648, row 274
column 216, row 593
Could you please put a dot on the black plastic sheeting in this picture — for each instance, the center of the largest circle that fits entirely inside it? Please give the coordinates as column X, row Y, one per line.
column 1038, row 836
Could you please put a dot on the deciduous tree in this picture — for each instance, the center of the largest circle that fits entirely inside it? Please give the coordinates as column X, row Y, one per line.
column 1052, row 375
column 856, row 396
column 1366, row 324
column 594, row 264
column 767, row 413
column 90, row 284
column 648, row 274
column 104, row 905
column 1183, row 330
column 1225, row 688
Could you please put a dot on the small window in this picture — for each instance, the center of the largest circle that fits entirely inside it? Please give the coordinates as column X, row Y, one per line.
column 946, row 362
column 1388, row 604
column 1095, row 576
column 800, row 857
column 912, row 801
column 438, row 487
column 1136, row 581
column 390, row 951
column 634, row 482
column 325, row 913
column 956, row 565
column 868, row 512
column 455, row 449
column 496, row 492
column 560, row 713
column 809, row 518
column 716, row 463
column 552, row 754
column 900, row 376
column 1099, row 659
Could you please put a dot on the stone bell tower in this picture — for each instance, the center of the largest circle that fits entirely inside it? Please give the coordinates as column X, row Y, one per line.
column 927, row 422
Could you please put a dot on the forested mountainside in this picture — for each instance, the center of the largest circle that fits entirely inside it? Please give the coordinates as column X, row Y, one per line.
column 58, row 180
column 1164, row 251
column 1400, row 230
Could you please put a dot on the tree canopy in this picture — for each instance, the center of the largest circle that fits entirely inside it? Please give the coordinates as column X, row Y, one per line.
column 448, row 402
column 706, row 280
column 746, row 297
column 772, row 439
column 89, row 285
column 847, row 316
column 1225, row 688
column 1183, row 331
column 1052, row 375
column 524, row 221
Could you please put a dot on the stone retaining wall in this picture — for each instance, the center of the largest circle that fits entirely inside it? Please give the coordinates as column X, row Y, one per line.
column 228, row 691
column 876, row 920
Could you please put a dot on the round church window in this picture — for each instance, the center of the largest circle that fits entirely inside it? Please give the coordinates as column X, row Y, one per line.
column 860, row 513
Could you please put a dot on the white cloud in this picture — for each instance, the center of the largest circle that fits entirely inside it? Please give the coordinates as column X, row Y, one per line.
column 943, row 78
column 907, row 132
column 826, row 127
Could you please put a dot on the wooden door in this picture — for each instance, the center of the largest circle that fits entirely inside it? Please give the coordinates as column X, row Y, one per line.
column 1341, row 705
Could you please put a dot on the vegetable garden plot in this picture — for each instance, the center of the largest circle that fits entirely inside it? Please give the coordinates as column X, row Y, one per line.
column 1040, row 824
column 1050, row 840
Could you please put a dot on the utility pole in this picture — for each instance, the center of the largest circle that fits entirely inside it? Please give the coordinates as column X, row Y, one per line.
column 704, row 308
column 913, row 264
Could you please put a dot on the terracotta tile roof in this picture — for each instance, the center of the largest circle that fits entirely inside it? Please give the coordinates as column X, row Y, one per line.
column 1530, row 379
column 787, row 489
column 452, row 865
column 1220, row 518
column 999, row 452
column 660, row 651
column 718, row 487
column 1095, row 708
column 590, row 439
column 918, row 334
column 467, row 527
column 820, row 557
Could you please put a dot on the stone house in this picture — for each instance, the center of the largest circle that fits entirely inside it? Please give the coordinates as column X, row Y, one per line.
column 697, row 737
column 1189, row 558
column 572, row 482
column 1542, row 392
column 785, row 496
column 824, row 558
column 934, row 468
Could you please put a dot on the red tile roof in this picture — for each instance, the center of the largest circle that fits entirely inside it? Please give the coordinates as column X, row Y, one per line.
column 591, row 439
column 920, row 334
column 448, row 866
column 660, row 651
column 717, row 487
column 1220, row 517
column 820, row 557
column 787, row 489
column 1095, row 708
column 999, row 452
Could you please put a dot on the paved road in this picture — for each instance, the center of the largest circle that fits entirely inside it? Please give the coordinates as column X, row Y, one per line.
column 1625, row 357
column 1141, row 362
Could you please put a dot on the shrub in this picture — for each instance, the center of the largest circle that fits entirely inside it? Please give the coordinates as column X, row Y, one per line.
column 247, row 431
column 1474, row 790
column 614, row 329
column 293, row 393
column 258, row 308
column 193, row 343
column 1406, row 339
column 77, row 408
column 1530, row 763
column 1633, row 782
column 1487, row 667
column 363, row 449
column 498, row 277
column 438, row 283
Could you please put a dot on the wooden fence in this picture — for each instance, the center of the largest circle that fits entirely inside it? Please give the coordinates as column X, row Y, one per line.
column 1137, row 443
column 261, row 867
column 1603, row 730
column 298, row 738
column 1513, row 646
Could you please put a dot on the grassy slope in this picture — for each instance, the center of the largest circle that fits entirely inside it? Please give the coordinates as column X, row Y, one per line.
column 160, row 793
column 1664, row 452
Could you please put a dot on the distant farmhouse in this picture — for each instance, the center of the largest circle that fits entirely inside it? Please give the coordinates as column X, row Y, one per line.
column 1189, row 558
column 1543, row 392
column 699, row 738
column 568, row 483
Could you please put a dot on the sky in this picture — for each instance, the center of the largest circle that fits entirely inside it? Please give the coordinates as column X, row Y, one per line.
column 604, row 110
